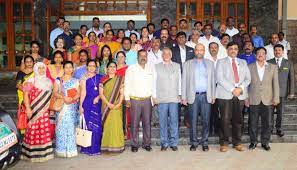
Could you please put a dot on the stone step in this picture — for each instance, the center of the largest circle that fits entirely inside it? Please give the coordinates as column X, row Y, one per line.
column 184, row 131
column 290, row 137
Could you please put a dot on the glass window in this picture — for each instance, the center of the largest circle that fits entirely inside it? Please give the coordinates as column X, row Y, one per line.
column 207, row 9
column 240, row 10
column 182, row 9
column 217, row 9
column 27, row 9
column 231, row 9
column 16, row 9
column 192, row 9
column 2, row 10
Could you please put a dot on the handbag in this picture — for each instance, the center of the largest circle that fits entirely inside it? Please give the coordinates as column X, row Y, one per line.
column 83, row 135
column 56, row 104
column 22, row 118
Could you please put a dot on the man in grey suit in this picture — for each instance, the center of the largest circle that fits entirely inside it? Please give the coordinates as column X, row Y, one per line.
column 263, row 95
column 198, row 91
column 233, row 78
column 286, row 83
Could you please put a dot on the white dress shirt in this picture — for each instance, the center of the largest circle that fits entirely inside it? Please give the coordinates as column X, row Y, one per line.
column 279, row 61
column 232, row 31
column 261, row 70
column 139, row 81
column 191, row 44
column 154, row 58
column 183, row 54
column 237, row 65
column 96, row 32
column 151, row 36
column 286, row 44
column 128, row 32
column 203, row 40
column 270, row 52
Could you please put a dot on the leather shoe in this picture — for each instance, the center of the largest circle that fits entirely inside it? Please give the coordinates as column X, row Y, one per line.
column 239, row 147
column 252, row 146
column 223, row 148
column 164, row 148
column 134, row 149
column 280, row 133
column 174, row 148
column 193, row 148
column 147, row 148
column 266, row 147
column 205, row 148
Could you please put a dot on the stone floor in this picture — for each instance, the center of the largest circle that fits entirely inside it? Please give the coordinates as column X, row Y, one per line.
column 281, row 157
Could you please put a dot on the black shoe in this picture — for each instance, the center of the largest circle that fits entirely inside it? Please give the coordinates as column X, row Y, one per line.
column 148, row 148
column 205, row 148
column 252, row 146
column 266, row 147
column 174, row 148
column 193, row 148
column 164, row 148
column 280, row 133
column 134, row 149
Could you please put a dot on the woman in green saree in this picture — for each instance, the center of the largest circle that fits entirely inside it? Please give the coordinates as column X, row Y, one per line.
column 111, row 93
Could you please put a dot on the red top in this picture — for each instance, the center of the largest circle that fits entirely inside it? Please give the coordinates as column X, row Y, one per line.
column 122, row 71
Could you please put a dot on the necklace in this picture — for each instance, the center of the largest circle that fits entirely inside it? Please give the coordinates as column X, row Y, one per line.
column 95, row 87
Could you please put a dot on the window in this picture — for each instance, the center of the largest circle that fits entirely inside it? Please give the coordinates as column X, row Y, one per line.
column 215, row 11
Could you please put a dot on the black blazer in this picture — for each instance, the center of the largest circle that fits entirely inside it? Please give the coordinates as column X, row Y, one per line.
column 285, row 77
column 176, row 55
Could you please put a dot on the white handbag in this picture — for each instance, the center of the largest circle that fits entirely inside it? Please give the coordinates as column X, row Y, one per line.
column 83, row 135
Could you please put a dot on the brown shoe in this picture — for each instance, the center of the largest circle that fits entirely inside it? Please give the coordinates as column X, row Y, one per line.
column 223, row 148
column 239, row 147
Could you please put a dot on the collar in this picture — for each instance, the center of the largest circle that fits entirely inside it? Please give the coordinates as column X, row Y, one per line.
column 265, row 64
column 181, row 47
column 280, row 59
column 230, row 58
column 169, row 62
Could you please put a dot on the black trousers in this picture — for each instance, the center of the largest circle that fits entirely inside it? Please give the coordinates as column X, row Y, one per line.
column 230, row 114
column 265, row 112
column 279, row 114
column 214, row 118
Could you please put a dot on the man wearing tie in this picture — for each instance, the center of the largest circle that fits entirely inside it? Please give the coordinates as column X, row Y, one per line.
column 286, row 84
column 233, row 78
column 263, row 95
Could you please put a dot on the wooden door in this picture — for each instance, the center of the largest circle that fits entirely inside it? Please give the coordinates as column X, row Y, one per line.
column 16, row 32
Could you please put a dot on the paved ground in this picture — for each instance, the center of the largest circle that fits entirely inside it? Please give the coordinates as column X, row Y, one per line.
column 281, row 157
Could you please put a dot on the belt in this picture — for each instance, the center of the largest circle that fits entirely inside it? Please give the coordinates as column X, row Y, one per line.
column 139, row 98
column 200, row 93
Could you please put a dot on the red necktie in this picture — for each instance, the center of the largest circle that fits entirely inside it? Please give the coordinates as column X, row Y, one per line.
column 235, row 71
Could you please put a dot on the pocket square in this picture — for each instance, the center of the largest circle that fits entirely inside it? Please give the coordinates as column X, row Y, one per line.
column 285, row 68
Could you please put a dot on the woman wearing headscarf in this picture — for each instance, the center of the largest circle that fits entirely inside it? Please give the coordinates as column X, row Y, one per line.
column 37, row 142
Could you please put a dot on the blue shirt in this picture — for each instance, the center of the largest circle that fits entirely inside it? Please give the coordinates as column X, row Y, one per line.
column 258, row 41
column 68, row 40
column 131, row 57
column 80, row 72
column 200, row 76
column 249, row 58
column 54, row 34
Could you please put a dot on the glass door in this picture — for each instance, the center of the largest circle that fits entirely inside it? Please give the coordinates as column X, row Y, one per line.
column 23, row 23
column 3, row 36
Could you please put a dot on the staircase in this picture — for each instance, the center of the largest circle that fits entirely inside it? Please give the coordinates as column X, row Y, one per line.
column 8, row 101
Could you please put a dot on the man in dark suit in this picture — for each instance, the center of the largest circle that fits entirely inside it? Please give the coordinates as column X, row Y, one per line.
column 286, row 84
column 263, row 95
column 180, row 54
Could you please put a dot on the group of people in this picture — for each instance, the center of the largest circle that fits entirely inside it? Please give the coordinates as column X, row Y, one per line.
column 113, row 82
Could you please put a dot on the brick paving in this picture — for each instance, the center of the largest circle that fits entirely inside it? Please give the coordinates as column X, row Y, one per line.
column 283, row 156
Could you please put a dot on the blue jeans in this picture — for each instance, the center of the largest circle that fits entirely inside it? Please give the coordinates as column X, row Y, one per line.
column 201, row 106
column 168, row 117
